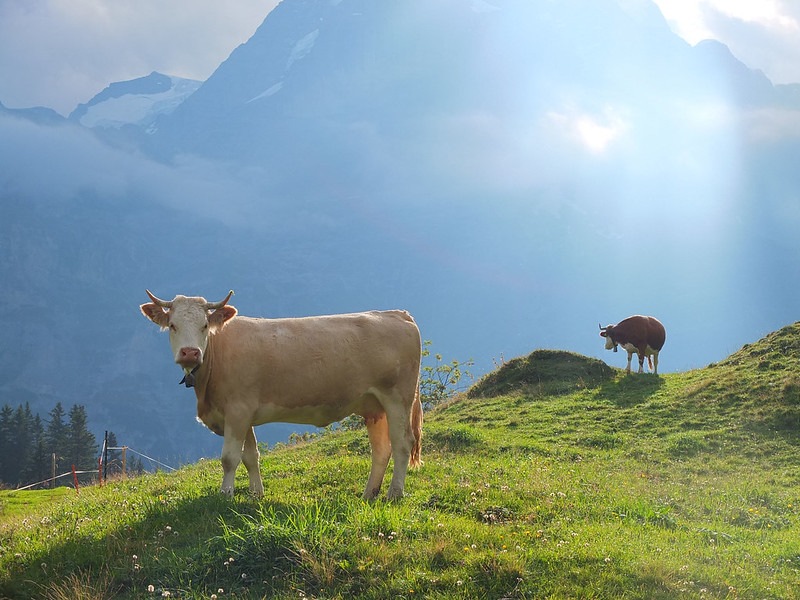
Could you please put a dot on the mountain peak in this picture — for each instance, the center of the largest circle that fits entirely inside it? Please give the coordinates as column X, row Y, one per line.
column 135, row 102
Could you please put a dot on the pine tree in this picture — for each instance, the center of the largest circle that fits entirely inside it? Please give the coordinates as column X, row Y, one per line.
column 27, row 447
column 81, row 443
column 20, row 445
column 55, row 439
column 6, row 438
column 37, row 468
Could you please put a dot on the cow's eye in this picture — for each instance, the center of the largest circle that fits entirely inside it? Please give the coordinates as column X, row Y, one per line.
column 205, row 327
column 172, row 327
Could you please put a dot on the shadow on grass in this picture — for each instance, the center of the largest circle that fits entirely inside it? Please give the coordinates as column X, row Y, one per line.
column 165, row 543
column 630, row 390
column 197, row 546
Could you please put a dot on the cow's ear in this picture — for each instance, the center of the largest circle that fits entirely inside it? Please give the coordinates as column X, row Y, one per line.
column 156, row 314
column 219, row 317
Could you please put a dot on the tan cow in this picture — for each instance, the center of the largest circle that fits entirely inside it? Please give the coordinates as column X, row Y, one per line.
column 313, row 370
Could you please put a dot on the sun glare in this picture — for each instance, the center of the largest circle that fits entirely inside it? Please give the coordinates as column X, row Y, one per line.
column 595, row 137
column 594, row 133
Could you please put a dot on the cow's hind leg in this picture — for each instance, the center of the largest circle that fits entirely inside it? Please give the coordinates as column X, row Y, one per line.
column 378, row 431
column 250, row 458
column 641, row 354
column 402, row 437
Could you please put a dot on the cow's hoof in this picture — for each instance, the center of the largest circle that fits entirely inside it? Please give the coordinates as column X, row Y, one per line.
column 227, row 492
column 370, row 495
column 394, row 495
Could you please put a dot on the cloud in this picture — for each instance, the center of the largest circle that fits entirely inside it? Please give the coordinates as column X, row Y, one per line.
column 59, row 54
column 767, row 13
column 54, row 166
column 764, row 35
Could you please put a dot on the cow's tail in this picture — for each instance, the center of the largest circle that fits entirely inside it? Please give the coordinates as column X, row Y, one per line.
column 415, row 459
column 650, row 362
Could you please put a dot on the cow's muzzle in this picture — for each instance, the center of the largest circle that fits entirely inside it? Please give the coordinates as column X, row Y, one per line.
column 189, row 358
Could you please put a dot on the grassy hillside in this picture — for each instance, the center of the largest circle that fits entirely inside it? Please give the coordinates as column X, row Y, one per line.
column 555, row 477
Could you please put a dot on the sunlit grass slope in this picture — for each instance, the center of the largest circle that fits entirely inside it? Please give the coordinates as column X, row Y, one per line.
column 555, row 477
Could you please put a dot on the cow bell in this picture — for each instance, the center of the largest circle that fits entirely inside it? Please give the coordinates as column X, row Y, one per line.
column 188, row 378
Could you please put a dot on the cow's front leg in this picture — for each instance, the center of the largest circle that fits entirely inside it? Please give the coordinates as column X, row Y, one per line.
column 630, row 358
column 250, row 458
column 231, row 455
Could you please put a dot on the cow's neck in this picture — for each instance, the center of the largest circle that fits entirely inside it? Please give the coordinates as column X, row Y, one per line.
column 203, row 374
column 206, row 412
column 613, row 341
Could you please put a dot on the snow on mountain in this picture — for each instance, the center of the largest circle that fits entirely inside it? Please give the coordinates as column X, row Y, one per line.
column 302, row 48
column 136, row 102
column 273, row 89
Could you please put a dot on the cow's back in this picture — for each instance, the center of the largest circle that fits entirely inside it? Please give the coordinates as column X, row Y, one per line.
column 642, row 329
column 656, row 333
column 375, row 335
column 313, row 369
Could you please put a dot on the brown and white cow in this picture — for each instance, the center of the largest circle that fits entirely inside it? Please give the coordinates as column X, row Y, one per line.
column 643, row 335
column 313, row 370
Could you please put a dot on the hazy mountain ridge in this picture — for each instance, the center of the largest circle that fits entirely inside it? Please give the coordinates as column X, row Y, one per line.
column 509, row 172
column 36, row 114
column 136, row 102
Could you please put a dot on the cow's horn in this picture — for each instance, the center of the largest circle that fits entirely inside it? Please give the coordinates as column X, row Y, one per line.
column 159, row 301
column 600, row 326
column 216, row 305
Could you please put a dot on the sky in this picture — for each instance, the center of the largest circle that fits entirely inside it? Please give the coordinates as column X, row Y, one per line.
column 60, row 53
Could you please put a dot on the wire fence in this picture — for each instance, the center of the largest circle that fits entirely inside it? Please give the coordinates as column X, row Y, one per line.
column 102, row 466
column 73, row 473
column 152, row 460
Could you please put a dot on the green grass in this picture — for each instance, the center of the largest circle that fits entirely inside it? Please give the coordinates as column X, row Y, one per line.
column 15, row 503
column 554, row 478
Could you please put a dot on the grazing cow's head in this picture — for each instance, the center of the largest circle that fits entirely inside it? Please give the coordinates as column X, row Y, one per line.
column 606, row 333
column 190, row 321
